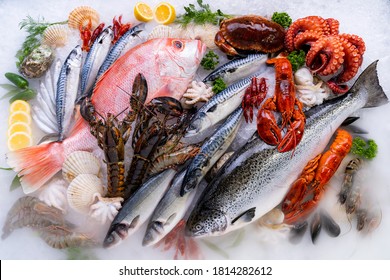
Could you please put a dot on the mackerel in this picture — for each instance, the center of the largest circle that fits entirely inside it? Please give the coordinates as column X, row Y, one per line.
column 67, row 88
column 216, row 109
column 248, row 187
column 138, row 208
column 211, row 151
column 126, row 41
column 95, row 58
column 238, row 69
column 169, row 212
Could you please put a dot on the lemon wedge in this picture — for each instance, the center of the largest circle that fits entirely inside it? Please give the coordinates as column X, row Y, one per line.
column 19, row 116
column 19, row 140
column 19, row 127
column 164, row 13
column 143, row 12
column 20, row 105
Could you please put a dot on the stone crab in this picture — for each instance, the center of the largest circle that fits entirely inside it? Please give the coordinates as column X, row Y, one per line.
column 249, row 33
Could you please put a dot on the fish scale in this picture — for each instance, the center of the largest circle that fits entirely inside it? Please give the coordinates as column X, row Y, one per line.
column 240, row 195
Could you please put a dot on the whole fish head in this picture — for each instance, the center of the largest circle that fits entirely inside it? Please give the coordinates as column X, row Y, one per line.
column 179, row 57
column 75, row 56
column 154, row 232
column 200, row 123
column 206, row 222
column 106, row 36
column 116, row 233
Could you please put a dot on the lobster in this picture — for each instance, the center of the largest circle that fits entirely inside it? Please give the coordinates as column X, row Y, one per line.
column 309, row 188
column 253, row 97
column 87, row 36
column 284, row 102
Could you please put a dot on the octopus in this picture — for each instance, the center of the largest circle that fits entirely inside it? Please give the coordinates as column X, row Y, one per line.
column 330, row 53
column 197, row 92
column 249, row 33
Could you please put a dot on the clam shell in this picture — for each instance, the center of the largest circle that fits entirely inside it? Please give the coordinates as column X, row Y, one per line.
column 55, row 35
column 80, row 16
column 83, row 192
column 80, row 162
column 163, row 31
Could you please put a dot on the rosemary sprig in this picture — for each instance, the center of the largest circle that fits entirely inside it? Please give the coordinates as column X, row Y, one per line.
column 35, row 28
column 201, row 16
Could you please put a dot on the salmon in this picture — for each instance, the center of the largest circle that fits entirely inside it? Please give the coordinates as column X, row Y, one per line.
column 168, row 64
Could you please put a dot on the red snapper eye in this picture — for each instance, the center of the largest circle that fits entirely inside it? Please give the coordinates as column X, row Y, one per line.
column 177, row 44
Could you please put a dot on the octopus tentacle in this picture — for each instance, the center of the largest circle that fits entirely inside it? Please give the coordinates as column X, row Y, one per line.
column 356, row 41
column 310, row 23
column 352, row 61
column 306, row 38
column 325, row 56
column 333, row 26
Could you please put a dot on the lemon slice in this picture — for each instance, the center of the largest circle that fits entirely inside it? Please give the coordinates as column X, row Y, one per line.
column 19, row 116
column 164, row 13
column 19, row 127
column 143, row 12
column 20, row 105
column 19, row 140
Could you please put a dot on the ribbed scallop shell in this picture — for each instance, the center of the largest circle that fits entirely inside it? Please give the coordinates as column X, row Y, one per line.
column 163, row 31
column 83, row 191
column 55, row 35
column 80, row 162
column 81, row 16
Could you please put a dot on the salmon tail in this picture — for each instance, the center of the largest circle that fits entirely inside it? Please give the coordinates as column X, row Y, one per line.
column 369, row 80
column 36, row 165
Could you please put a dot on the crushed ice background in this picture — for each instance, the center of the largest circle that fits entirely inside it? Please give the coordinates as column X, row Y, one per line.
column 368, row 19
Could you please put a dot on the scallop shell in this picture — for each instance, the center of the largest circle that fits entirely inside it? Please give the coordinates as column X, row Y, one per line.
column 163, row 31
column 55, row 35
column 83, row 192
column 80, row 162
column 80, row 16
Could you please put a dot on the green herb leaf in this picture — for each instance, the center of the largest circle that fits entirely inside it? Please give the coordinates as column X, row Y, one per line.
column 8, row 87
column 6, row 168
column 297, row 59
column 201, row 16
column 282, row 18
column 15, row 183
column 218, row 85
column 364, row 149
column 210, row 60
column 76, row 253
column 11, row 93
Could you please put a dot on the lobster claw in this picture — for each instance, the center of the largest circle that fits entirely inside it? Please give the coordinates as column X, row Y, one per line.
column 293, row 136
column 267, row 128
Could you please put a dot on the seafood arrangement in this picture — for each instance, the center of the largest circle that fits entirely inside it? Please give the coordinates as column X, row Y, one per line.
column 139, row 144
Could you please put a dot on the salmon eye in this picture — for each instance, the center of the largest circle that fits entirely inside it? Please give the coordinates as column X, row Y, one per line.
column 177, row 44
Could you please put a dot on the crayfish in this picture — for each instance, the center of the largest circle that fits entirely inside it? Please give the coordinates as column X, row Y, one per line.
column 284, row 102
column 309, row 188
column 253, row 97
column 112, row 136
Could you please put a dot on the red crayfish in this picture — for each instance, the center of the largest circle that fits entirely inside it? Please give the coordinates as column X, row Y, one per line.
column 308, row 189
column 284, row 102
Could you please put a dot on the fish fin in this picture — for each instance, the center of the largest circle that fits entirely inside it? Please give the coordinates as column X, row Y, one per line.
column 245, row 217
column 212, row 109
column 349, row 120
column 170, row 218
column 134, row 222
column 52, row 137
column 369, row 80
column 356, row 130
column 36, row 165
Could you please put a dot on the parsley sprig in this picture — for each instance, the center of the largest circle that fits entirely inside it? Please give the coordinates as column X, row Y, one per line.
column 201, row 16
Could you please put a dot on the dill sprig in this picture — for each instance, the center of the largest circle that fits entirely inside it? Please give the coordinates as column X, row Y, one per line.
column 201, row 16
column 35, row 29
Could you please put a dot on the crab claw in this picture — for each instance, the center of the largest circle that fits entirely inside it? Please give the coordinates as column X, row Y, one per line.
column 224, row 45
